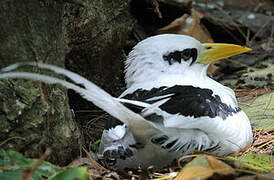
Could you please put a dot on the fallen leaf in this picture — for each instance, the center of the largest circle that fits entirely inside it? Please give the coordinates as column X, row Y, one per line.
column 196, row 172
column 219, row 166
column 260, row 111
column 257, row 162
column 190, row 25
column 203, row 167
column 79, row 173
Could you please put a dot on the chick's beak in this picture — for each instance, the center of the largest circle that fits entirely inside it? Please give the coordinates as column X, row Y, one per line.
column 217, row 51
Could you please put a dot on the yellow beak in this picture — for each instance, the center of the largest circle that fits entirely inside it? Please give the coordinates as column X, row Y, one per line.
column 216, row 51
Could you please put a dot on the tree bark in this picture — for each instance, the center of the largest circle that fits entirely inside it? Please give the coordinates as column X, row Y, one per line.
column 33, row 115
column 98, row 34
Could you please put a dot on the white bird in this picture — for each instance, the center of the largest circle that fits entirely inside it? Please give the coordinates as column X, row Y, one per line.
column 170, row 107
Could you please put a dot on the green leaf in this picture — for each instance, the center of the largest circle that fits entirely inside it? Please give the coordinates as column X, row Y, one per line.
column 13, row 158
column 79, row 173
column 258, row 162
column 14, row 164
column 95, row 146
column 259, row 77
column 203, row 167
column 12, row 174
column 198, row 161
column 260, row 112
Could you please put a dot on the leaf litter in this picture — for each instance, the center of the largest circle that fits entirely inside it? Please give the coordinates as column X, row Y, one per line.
column 257, row 102
column 251, row 80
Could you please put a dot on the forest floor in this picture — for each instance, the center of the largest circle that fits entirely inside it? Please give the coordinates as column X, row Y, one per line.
column 250, row 75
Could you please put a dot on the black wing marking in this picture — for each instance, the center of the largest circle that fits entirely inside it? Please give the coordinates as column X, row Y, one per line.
column 186, row 100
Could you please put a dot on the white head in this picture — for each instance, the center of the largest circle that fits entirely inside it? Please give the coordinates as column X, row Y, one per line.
column 173, row 54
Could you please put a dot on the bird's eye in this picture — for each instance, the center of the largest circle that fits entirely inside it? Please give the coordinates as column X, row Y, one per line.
column 178, row 56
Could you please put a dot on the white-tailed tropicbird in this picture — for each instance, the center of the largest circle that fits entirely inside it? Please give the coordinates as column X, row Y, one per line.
column 170, row 107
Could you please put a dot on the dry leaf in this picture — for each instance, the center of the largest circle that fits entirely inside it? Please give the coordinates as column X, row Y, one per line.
column 190, row 25
column 194, row 173
column 203, row 167
column 219, row 166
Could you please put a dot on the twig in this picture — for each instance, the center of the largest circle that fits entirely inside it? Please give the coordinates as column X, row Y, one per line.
column 241, row 64
column 232, row 20
column 253, row 100
column 136, row 176
column 272, row 33
column 157, row 10
column 268, row 128
column 170, row 175
column 157, row 174
column 97, row 118
column 15, row 137
column 265, row 144
column 247, row 42
column 28, row 174
column 268, row 103
column 226, row 29
column 260, row 30
column 185, row 157
column 95, row 163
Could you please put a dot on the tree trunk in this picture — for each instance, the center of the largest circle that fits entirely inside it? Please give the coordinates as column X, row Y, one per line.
column 98, row 35
column 33, row 115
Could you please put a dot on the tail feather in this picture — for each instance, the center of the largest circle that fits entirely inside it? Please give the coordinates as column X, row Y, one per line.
column 69, row 74
column 91, row 92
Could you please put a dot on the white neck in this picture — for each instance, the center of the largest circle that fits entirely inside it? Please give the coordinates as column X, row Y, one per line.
column 150, row 72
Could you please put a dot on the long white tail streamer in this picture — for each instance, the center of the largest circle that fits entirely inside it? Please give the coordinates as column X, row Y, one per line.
column 91, row 92
column 71, row 75
column 79, row 80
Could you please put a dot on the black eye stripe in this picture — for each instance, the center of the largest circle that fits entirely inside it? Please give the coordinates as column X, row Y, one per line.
column 194, row 54
column 178, row 56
